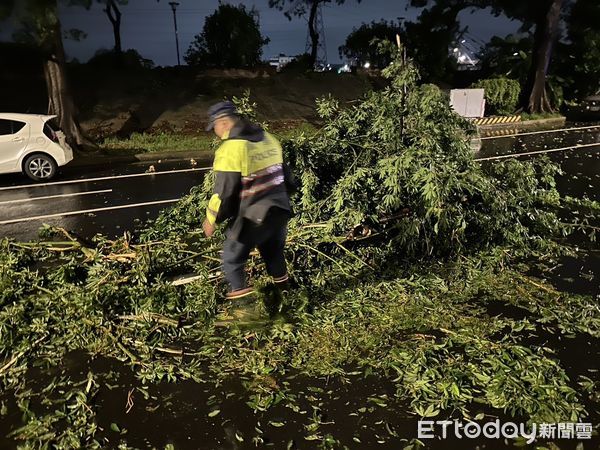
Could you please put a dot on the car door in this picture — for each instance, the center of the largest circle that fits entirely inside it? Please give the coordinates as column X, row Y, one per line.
column 14, row 136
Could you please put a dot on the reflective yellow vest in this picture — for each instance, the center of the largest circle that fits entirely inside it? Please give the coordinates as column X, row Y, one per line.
column 249, row 177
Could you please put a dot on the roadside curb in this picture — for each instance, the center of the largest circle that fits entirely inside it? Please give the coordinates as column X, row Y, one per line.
column 543, row 123
column 100, row 159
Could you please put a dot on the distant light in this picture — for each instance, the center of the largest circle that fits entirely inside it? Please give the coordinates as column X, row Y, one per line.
column 463, row 41
column 516, row 54
column 367, row 65
column 456, row 50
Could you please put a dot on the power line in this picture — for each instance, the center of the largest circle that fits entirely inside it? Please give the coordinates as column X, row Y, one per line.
column 157, row 11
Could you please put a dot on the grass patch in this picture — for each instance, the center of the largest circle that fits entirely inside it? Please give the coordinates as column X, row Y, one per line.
column 541, row 116
column 160, row 142
column 180, row 142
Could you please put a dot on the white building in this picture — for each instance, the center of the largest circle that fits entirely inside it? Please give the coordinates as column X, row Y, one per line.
column 279, row 62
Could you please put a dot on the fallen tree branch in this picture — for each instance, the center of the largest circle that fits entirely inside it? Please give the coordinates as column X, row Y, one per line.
column 150, row 317
column 16, row 357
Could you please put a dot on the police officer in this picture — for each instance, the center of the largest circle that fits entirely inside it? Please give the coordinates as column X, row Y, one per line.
column 251, row 193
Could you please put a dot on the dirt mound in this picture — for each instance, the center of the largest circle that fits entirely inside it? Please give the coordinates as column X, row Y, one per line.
column 120, row 104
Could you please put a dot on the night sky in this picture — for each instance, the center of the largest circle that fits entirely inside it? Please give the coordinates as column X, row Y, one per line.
column 147, row 26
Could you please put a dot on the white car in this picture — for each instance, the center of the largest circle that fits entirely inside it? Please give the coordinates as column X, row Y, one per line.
column 29, row 144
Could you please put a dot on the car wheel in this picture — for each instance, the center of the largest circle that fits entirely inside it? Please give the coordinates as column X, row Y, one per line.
column 40, row 167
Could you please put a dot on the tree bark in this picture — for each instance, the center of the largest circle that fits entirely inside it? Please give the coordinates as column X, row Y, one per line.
column 535, row 97
column 114, row 15
column 312, row 31
column 60, row 101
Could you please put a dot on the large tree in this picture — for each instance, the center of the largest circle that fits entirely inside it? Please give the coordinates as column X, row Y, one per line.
column 542, row 18
column 428, row 38
column 6, row 7
column 40, row 27
column 113, row 12
column 230, row 38
column 300, row 8
column 508, row 56
column 582, row 61
column 546, row 21
column 359, row 45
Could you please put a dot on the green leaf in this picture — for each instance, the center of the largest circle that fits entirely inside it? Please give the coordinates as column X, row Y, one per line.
column 312, row 437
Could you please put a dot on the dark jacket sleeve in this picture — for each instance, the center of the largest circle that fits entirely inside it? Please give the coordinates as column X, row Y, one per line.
column 291, row 184
column 227, row 187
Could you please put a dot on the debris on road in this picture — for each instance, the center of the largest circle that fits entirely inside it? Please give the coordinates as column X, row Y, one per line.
column 402, row 248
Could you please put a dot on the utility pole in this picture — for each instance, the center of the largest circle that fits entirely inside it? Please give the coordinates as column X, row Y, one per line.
column 174, row 6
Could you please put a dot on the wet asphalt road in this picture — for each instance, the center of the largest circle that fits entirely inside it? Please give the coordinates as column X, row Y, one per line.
column 125, row 194
column 579, row 134
column 115, row 198
column 579, row 157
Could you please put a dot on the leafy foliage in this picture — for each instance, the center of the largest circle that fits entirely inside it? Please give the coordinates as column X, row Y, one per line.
column 300, row 64
column 230, row 38
column 39, row 21
column 540, row 18
column 428, row 38
column 360, row 46
column 508, row 57
column 129, row 59
column 581, row 65
column 574, row 68
column 6, row 9
column 501, row 94
column 400, row 245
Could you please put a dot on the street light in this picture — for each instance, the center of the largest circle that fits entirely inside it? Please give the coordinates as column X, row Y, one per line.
column 174, row 6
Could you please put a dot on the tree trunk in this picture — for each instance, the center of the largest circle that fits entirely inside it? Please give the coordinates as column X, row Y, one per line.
column 114, row 15
column 535, row 98
column 312, row 31
column 60, row 101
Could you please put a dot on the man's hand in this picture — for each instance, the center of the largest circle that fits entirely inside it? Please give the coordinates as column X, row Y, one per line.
column 209, row 228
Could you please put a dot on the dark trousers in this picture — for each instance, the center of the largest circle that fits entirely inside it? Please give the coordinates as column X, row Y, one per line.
column 268, row 237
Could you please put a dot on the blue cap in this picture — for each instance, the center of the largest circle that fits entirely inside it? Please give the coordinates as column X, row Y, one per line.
column 221, row 109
